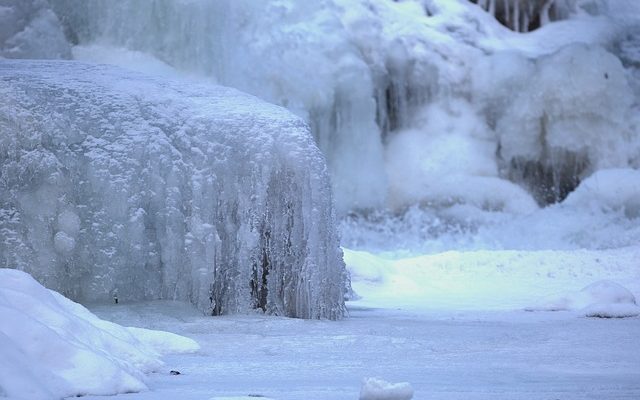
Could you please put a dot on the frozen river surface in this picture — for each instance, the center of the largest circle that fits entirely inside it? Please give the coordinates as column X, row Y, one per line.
column 442, row 354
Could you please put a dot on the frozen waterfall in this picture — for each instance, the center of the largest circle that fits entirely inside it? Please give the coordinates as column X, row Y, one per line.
column 444, row 124
column 118, row 184
column 396, row 93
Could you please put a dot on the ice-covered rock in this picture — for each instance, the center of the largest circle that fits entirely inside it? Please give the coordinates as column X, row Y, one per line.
column 604, row 299
column 116, row 182
column 378, row 389
column 51, row 347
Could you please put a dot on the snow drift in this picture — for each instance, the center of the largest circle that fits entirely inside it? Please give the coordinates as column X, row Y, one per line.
column 118, row 184
column 51, row 347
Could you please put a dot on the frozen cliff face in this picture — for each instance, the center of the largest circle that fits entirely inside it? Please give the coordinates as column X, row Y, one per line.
column 396, row 91
column 30, row 29
column 113, row 183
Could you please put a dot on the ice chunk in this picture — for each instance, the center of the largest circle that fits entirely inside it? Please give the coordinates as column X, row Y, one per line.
column 51, row 347
column 116, row 182
column 377, row 389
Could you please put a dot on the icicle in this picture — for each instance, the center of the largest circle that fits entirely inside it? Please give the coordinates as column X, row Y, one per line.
column 492, row 7
column 507, row 12
column 544, row 13
column 516, row 16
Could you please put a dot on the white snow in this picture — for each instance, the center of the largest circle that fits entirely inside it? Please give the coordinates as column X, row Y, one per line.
column 51, row 347
column 378, row 389
column 118, row 182
column 486, row 280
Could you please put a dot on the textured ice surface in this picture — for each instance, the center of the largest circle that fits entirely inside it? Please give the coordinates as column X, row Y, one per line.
column 51, row 347
column 117, row 184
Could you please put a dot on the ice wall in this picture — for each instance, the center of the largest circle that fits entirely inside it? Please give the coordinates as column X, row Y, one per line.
column 113, row 183
column 408, row 100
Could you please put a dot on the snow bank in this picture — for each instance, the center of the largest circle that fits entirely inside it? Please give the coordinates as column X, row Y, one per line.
column 117, row 183
column 51, row 347
column 603, row 299
column 493, row 280
column 377, row 389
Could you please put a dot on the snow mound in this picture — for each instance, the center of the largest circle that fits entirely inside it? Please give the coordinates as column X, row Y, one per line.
column 605, row 299
column 120, row 183
column 377, row 389
column 51, row 347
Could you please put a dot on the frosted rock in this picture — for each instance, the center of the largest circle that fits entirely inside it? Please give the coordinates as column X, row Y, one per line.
column 377, row 389
column 115, row 181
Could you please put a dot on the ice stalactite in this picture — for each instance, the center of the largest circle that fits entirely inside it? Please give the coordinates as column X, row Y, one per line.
column 527, row 15
column 115, row 182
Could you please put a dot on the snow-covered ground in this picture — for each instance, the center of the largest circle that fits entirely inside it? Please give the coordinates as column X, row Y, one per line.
column 451, row 325
column 441, row 354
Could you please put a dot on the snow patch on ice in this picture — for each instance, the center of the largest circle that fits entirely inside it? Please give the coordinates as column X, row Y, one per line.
column 378, row 389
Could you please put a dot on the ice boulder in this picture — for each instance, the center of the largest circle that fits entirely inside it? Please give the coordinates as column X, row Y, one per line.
column 113, row 182
column 378, row 389
column 604, row 299
column 51, row 347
